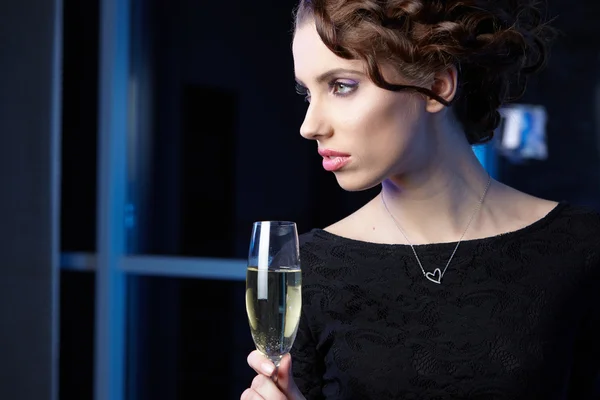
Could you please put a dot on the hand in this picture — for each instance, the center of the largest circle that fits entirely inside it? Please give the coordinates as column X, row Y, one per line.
column 266, row 386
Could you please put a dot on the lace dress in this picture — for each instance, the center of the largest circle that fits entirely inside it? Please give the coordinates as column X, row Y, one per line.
column 517, row 316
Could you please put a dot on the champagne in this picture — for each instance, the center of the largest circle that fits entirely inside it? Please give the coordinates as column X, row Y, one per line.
column 273, row 304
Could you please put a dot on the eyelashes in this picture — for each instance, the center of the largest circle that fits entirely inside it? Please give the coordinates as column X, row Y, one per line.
column 301, row 90
column 336, row 87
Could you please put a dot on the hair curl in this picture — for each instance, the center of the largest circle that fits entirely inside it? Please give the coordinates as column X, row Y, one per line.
column 495, row 45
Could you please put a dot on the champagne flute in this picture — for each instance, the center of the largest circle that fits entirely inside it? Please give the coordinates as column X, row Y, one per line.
column 274, row 288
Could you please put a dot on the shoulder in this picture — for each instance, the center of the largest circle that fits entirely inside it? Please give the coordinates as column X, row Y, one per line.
column 560, row 220
column 325, row 255
column 579, row 220
column 578, row 210
column 309, row 238
column 569, row 226
column 312, row 247
column 315, row 246
column 578, row 228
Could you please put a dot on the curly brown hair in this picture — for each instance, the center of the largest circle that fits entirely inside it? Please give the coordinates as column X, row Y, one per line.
column 494, row 44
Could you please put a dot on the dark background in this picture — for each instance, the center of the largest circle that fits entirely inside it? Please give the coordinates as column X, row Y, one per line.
column 218, row 147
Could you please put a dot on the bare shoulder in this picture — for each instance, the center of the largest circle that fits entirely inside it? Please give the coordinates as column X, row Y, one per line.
column 353, row 226
column 516, row 209
column 347, row 226
column 366, row 225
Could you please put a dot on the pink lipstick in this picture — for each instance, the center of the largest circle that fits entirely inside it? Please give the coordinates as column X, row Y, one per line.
column 333, row 160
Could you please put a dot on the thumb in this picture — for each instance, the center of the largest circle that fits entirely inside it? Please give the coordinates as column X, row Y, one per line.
column 285, row 379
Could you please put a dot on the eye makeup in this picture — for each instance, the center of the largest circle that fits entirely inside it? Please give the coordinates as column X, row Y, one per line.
column 337, row 87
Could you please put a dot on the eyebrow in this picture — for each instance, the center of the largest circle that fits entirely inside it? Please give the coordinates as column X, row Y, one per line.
column 327, row 76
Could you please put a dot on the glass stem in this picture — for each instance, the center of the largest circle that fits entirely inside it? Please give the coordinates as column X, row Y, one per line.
column 275, row 373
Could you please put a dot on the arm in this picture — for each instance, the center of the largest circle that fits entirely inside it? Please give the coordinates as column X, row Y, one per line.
column 308, row 366
column 585, row 375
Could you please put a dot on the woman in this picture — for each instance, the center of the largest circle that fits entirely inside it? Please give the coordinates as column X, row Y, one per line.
column 448, row 284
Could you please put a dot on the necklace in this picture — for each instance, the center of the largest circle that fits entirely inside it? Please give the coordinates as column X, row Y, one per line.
column 437, row 275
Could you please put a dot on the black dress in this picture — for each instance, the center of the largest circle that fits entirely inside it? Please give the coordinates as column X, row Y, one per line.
column 517, row 316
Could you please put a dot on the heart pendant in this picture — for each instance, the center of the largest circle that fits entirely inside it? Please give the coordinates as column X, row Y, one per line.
column 435, row 276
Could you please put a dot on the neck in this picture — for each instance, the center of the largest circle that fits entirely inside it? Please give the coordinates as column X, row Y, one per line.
column 435, row 204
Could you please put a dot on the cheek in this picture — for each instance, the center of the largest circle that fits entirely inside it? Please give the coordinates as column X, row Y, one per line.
column 393, row 136
column 384, row 125
column 363, row 117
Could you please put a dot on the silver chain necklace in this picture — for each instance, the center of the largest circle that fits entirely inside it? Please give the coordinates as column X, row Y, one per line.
column 437, row 275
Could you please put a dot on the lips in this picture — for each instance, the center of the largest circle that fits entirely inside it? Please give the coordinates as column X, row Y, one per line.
column 333, row 160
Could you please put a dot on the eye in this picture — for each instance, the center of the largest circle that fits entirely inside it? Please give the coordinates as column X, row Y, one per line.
column 343, row 88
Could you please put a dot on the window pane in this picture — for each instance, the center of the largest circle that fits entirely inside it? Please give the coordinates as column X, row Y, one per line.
column 79, row 126
column 77, row 311
column 187, row 338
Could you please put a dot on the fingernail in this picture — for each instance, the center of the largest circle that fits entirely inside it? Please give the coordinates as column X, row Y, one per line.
column 267, row 368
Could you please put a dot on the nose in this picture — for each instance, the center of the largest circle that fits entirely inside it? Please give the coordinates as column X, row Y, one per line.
column 315, row 126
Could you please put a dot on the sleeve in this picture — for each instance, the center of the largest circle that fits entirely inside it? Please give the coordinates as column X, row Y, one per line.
column 585, row 375
column 307, row 364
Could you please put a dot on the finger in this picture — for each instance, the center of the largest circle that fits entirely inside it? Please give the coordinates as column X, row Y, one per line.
column 285, row 377
column 266, row 388
column 260, row 363
column 250, row 394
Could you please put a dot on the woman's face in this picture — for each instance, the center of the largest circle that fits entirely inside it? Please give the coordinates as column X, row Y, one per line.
column 365, row 134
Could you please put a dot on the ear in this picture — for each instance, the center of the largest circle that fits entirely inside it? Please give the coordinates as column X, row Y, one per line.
column 444, row 84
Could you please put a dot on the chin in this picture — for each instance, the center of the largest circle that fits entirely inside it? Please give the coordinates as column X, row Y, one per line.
column 353, row 183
